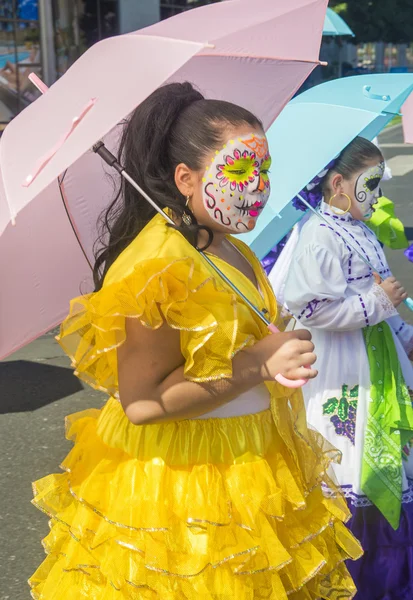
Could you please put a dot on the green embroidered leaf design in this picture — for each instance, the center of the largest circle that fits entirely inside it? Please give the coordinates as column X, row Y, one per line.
column 354, row 393
column 330, row 406
column 342, row 411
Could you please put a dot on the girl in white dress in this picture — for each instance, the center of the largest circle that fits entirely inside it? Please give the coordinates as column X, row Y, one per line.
column 362, row 400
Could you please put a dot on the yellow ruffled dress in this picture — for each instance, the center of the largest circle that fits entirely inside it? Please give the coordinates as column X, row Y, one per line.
column 211, row 509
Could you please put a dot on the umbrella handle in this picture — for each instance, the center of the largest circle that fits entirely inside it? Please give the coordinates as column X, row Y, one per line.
column 409, row 303
column 289, row 383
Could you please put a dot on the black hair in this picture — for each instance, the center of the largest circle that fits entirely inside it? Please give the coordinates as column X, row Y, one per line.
column 174, row 125
column 358, row 154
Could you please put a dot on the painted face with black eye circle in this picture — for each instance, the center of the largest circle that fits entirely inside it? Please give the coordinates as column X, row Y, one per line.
column 368, row 190
column 236, row 185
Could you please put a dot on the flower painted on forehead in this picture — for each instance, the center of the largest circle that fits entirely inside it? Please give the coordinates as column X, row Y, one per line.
column 241, row 167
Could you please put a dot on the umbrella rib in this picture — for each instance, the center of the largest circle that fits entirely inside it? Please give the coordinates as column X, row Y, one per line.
column 329, row 104
column 63, row 197
column 355, row 108
column 260, row 57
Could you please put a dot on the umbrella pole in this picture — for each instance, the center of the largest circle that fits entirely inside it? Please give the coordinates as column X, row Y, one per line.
column 408, row 302
column 111, row 160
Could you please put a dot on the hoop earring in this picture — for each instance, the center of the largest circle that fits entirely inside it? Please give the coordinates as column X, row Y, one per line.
column 342, row 212
column 186, row 218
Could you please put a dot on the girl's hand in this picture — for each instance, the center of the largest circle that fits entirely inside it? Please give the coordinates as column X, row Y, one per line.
column 286, row 353
column 393, row 289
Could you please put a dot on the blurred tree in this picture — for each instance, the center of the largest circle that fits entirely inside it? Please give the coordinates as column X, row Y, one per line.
column 388, row 21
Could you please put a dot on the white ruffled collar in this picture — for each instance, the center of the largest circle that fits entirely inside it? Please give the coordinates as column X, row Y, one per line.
column 325, row 209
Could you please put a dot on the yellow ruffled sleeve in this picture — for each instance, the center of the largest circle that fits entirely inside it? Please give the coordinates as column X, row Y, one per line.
column 159, row 278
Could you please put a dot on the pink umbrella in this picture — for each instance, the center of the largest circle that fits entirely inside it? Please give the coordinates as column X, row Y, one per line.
column 258, row 55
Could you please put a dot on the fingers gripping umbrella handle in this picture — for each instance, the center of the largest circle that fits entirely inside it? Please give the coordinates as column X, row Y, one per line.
column 289, row 383
column 407, row 301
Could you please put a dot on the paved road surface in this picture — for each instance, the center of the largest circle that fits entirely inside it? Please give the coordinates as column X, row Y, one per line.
column 38, row 390
column 400, row 190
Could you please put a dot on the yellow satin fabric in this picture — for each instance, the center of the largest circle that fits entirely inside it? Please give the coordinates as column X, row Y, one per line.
column 196, row 509
column 214, row 509
column 161, row 277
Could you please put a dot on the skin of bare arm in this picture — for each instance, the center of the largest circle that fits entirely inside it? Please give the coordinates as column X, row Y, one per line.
column 153, row 388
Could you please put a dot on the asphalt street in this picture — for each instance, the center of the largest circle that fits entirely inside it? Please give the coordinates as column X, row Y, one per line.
column 39, row 390
column 400, row 189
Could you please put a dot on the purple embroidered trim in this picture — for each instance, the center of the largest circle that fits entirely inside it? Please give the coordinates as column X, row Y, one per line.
column 372, row 240
column 402, row 326
column 311, row 306
column 368, row 276
column 337, row 233
column 350, row 258
column 336, row 217
column 356, row 241
column 364, row 309
column 361, row 501
column 384, row 270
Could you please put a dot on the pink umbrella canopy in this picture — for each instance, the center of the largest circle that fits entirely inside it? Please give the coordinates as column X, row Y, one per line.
column 254, row 54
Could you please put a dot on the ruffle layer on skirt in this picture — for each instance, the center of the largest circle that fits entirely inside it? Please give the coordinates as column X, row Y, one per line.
column 207, row 510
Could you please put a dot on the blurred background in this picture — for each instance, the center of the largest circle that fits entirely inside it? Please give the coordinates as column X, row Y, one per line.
column 47, row 36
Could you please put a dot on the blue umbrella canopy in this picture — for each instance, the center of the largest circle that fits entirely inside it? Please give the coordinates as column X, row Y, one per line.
column 312, row 129
column 335, row 25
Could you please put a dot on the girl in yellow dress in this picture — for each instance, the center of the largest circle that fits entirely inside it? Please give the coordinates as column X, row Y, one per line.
column 199, row 478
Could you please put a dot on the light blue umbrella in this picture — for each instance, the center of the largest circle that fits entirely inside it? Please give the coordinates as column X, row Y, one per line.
column 312, row 129
column 335, row 25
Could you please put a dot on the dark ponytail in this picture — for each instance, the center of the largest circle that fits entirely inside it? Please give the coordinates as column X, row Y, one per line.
column 174, row 125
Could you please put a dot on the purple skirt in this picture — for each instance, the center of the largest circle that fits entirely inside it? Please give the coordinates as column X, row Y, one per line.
column 385, row 572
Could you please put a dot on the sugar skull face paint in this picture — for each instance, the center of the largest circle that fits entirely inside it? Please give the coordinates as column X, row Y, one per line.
column 236, row 186
column 367, row 190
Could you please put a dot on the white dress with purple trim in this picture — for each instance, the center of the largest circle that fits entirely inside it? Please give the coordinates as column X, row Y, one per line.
column 332, row 292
